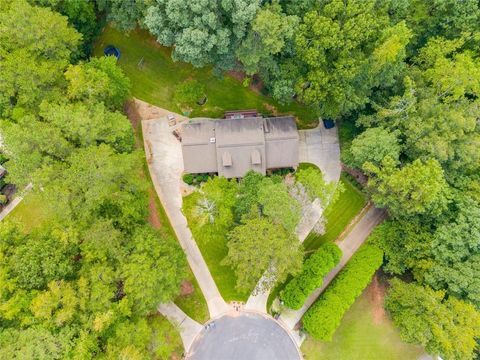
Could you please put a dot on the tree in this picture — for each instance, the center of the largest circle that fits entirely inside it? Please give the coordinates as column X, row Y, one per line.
column 153, row 270
column 317, row 188
column 35, row 343
column 259, row 247
column 247, row 198
column 416, row 188
column 201, row 34
column 84, row 125
column 188, row 93
column 270, row 32
column 98, row 80
column 278, row 205
column 355, row 39
column 436, row 115
column 96, row 183
column 42, row 62
column 372, row 146
column 444, row 326
column 124, row 15
column 324, row 316
column 313, row 272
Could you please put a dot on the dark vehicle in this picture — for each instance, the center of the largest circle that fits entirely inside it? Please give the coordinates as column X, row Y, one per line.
column 328, row 123
column 111, row 50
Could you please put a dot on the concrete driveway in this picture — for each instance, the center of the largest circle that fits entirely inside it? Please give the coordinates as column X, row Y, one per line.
column 244, row 336
column 321, row 147
column 165, row 162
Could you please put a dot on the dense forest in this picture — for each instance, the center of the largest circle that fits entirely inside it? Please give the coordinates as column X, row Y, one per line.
column 403, row 76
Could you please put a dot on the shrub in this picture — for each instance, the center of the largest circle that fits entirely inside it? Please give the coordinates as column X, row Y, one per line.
column 323, row 318
column 188, row 179
column 3, row 199
column 314, row 270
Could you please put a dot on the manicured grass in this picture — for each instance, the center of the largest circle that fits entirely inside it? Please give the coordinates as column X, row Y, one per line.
column 338, row 215
column 30, row 213
column 362, row 336
column 154, row 81
column 213, row 247
column 194, row 304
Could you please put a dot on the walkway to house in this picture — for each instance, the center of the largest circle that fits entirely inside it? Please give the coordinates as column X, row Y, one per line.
column 188, row 328
column 13, row 204
column 164, row 157
column 320, row 147
column 349, row 245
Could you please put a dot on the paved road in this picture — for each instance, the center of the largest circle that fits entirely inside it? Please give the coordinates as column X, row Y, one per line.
column 244, row 336
column 349, row 246
column 165, row 162
column 188, row 328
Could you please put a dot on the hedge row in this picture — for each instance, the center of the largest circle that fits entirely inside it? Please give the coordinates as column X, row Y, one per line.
column 323, row 318
column 314, row 270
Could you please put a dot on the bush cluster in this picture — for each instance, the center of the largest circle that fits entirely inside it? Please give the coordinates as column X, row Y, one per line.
column 323, row 318
column 314, row 270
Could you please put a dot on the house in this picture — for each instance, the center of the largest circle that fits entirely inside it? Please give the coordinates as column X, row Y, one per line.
column 233, row 146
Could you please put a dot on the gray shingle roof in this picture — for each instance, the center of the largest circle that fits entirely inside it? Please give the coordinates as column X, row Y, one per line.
column 232, row 147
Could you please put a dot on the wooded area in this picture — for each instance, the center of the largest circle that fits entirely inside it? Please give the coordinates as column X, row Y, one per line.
column 404, row 74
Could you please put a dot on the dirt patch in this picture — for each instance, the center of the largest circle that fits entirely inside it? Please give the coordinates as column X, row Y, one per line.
column 256, row 83
column 153, row 217
column 361, row 178
column 186, row 288
column 271, row 109
column 376, row 292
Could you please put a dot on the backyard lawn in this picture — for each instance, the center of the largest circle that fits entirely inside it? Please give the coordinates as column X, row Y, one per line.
column 365, row 333
column 154, row 77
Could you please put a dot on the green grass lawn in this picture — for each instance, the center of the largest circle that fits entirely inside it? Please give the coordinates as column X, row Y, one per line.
column 30, row 213
column 213, row 247
column 155, row 81
column 363, row 336
column 338, row 215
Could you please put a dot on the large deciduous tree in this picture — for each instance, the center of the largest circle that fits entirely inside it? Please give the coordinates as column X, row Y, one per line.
column 445, row 326
column 259, row 247
column 416, row 188
column 202, row 32
column 35, row 48
column 346, row 49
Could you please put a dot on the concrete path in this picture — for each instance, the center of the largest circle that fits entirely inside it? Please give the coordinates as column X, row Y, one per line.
column 165, row 162
column 188, row 328
column 13, row 204
column 349, row 245
column 321, row 147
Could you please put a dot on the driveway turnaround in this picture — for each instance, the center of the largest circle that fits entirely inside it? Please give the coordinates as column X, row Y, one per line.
column 165, row 162
column 321, row 147
column 243, row 336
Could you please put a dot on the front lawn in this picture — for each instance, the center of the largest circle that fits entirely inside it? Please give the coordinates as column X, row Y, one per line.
column 213, row 247
column 366, row 333
column 154, row 77
column 338, row 215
